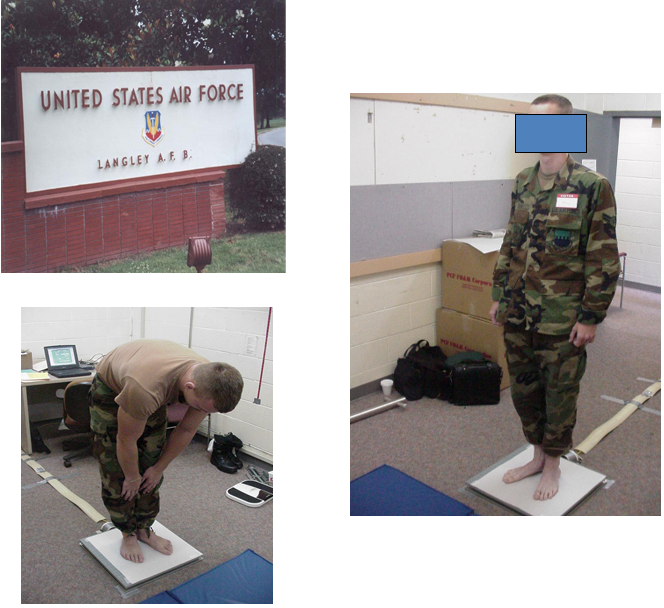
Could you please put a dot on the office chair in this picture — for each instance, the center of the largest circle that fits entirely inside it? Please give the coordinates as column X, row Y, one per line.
column 176, row 413
column 76, row 417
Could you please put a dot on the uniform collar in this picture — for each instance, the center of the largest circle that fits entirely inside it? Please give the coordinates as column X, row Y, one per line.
column 561, row 180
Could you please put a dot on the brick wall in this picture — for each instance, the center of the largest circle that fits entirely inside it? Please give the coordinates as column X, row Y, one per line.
column 86, row 232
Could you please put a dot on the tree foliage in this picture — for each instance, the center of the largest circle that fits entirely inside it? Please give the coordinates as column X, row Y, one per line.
column 257, row 189
column 124, row 33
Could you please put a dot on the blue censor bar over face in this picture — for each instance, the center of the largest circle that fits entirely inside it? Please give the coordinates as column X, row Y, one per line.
column 551, row 133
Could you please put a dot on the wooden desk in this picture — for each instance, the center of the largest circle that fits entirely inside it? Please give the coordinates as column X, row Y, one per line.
column 26, row 441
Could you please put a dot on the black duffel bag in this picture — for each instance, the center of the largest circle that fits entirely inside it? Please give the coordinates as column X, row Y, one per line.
column 422, row 371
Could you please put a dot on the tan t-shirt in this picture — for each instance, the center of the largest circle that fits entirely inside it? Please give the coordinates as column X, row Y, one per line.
column 546, row 179
column 145, row 373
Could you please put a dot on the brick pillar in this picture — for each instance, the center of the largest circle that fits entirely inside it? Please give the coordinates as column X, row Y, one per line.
column 218, row 208
column 13, row 222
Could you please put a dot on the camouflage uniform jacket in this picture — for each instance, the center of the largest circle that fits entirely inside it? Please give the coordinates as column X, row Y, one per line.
column 558, row 264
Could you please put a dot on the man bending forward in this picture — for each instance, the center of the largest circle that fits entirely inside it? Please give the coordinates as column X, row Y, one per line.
column 134, row 385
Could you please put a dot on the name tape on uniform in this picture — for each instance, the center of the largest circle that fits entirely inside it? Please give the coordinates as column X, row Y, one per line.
column 567, row 201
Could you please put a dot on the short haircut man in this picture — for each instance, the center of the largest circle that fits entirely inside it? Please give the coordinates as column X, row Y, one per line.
column 554, row 280
column 220, row 382
column 563, row 104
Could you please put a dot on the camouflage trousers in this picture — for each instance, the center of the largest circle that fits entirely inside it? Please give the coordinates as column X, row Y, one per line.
column 141, row 511
column 545, row 372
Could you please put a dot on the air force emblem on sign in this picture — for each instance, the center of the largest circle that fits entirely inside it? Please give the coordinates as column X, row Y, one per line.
column 153, row 131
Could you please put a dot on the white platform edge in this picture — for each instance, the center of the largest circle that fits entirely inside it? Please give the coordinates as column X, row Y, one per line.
column 580, row 482
column 127, row 573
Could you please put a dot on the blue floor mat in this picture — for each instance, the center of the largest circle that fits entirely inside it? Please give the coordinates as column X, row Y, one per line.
column 387, row 491
column 161, row 598
column 245, row 579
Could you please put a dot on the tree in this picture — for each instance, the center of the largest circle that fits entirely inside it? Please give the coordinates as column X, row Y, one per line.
column 88, row 33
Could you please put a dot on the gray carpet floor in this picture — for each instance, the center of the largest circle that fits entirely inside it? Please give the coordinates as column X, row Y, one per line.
column 56, row 569
column 443, row 445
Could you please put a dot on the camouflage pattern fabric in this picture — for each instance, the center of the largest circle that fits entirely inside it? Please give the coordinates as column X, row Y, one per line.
column 545, row 372
column 141, row 511
column 558, row 265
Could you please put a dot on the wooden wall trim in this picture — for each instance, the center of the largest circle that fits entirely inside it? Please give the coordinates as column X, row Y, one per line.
column 455, row 100
column 396, row 262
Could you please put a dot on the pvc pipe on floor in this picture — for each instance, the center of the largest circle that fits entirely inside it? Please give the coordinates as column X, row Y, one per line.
column 378, row 409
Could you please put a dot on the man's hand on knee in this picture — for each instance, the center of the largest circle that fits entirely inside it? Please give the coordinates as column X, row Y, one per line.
column 151, row 478
column 130, row 488
column 582, row 334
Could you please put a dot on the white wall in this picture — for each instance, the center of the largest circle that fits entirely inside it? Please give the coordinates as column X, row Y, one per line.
column 638, row 197
column 231, row 335
column 92, row 330
column 235, row 336
column 410, row 143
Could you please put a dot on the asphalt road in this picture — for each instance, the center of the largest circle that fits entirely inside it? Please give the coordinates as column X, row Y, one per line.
column 276, row 137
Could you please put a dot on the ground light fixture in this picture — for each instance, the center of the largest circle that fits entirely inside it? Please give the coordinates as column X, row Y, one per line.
column 199, row 254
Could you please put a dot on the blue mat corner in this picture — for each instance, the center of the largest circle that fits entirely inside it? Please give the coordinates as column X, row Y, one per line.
column 245, row 579
column 388, row 491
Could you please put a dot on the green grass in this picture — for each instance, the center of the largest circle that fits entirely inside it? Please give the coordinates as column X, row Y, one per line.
column 258, row 252
column 275, row 123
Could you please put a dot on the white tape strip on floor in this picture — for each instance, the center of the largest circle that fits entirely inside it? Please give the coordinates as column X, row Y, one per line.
column 43, row 481
column 641, row 407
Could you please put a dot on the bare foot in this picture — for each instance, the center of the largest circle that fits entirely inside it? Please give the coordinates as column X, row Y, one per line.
column 533, row 467
column 548, row 486
column 129, row 548
column 156, row 542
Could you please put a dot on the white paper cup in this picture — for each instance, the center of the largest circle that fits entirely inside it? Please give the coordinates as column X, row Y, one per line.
column 386, row 385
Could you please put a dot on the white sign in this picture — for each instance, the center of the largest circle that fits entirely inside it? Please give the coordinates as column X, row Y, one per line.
column 91, row 126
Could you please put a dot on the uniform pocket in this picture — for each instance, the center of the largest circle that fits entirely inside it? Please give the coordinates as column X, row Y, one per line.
column 103, row 419
column 563, row 233
column 519, row 226
column 572, row 370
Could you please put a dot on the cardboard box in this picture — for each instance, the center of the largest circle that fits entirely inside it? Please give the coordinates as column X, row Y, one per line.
column 456, row 332
column 26, row 359
column 468, row 275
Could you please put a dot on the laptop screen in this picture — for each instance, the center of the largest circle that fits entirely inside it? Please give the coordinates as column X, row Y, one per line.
column 61, row 356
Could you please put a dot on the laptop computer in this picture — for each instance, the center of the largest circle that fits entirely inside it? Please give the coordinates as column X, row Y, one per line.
column 62, row 362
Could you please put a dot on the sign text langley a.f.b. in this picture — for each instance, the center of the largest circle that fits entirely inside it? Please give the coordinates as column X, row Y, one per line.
column 85, row 127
